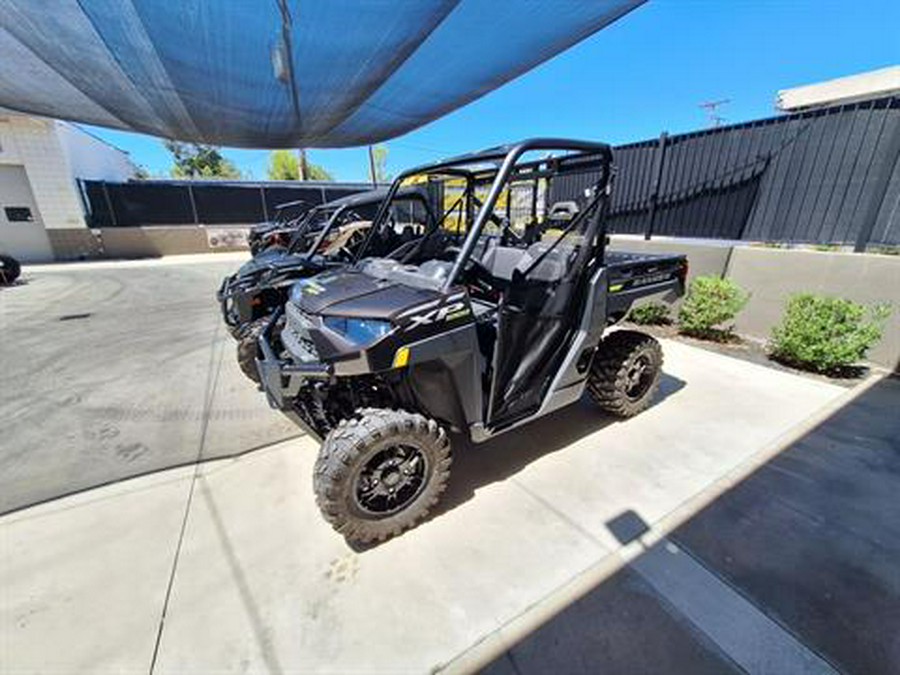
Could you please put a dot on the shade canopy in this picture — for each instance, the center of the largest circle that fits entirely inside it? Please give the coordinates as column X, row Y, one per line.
column 276, row 73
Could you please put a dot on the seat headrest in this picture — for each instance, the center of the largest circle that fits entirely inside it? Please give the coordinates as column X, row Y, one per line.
column 563, row 211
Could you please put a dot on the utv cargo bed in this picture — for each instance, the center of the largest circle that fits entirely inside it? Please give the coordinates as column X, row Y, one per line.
column 642, row 276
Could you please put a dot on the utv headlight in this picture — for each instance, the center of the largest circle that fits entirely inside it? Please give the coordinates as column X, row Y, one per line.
column 359, row 331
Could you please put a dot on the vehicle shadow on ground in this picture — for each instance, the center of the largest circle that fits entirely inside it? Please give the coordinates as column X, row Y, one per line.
column 797, row 558
column 21, row 281
column 475, row 466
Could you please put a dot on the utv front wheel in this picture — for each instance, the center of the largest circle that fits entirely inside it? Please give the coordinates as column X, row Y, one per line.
column 625, row 373
column 380, row 473
column 246, row 347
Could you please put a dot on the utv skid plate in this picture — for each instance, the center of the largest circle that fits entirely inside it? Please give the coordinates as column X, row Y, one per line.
column 281, row 379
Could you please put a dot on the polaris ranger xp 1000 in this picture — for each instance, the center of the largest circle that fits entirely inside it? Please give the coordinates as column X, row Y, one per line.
column 476, row 331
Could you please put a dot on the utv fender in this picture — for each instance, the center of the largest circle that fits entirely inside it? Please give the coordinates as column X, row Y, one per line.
column 444, row 374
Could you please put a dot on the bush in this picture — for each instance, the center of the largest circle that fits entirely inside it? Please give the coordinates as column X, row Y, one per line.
column 650, row 314
column 826, row 334
column 711, row 303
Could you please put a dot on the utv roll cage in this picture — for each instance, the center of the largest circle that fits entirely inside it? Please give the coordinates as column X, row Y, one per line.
column 338, row 208
column 281, row 211
column 284, row 221
column 498, row 167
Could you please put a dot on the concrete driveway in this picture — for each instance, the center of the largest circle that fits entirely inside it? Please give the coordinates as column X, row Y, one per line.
column 226, row 566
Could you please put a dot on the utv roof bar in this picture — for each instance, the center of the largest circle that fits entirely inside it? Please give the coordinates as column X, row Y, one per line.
column 286, row 205
column 502, row 151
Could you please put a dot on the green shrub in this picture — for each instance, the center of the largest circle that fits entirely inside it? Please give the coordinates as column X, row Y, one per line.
column 826, row 334
column 650, row 314
column 711, row 304
column 883, row 249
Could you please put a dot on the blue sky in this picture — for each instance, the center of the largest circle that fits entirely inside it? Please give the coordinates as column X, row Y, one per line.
column 645, row 74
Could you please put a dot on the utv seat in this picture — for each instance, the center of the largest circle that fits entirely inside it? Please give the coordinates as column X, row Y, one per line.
column 561, row 213
column 553, row 266
column 408, row 233
column 502, row 261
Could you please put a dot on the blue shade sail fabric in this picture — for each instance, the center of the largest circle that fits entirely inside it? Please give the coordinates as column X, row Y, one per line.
column 276, row 73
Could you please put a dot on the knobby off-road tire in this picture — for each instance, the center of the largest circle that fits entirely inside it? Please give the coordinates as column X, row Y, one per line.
column 246, row 347
column 625, row 373
column 380, row 450
column 9, row 270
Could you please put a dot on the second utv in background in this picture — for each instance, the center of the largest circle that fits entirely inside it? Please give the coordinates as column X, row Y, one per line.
column 326, row 235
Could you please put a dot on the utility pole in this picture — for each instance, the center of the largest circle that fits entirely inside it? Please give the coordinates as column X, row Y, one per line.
column 372, row 166
column 302, row 165
column 715, row 120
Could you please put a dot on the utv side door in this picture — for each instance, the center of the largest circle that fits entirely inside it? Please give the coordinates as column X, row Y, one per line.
column 537, row 318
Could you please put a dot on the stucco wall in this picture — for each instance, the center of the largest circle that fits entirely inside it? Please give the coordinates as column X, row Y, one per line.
column 144, row 242
column 75, row 243
column 772, row 275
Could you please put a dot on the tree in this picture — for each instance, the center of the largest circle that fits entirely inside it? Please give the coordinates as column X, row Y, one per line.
column 379, row 159
column 194, row 160
column 284, row 165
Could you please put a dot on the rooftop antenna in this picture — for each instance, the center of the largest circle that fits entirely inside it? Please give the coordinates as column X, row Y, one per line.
column 711, row 108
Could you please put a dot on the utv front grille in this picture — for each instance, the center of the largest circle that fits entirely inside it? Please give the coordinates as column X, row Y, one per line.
column 295, row 335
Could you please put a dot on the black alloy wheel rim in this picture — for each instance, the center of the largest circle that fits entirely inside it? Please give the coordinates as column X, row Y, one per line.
column 390, row 480
column 639, row 377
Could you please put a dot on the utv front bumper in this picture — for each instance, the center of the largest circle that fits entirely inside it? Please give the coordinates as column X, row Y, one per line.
column 227, row 306
column 280, row 378
column 235, row 296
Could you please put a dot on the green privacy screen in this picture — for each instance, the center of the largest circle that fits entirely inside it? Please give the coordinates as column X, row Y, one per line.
column 270, row 73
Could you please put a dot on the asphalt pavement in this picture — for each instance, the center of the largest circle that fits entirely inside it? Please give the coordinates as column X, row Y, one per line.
column 113, row 370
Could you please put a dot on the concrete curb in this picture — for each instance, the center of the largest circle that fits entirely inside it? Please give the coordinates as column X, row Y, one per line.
column 180, row 259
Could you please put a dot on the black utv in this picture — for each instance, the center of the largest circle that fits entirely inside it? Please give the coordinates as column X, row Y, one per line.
column 327, row 235
column 499, row 323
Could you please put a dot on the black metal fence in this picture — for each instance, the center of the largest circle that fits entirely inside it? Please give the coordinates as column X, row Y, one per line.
column 829, row 176
column 187, row 202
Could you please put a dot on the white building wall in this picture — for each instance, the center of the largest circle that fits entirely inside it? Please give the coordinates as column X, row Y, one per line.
column 881, row 82
column 90, row 158
column 35, row 144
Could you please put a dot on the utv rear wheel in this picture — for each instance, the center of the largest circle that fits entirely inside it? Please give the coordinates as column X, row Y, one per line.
column 246, row 347
column 625, row 373
column 380, row 473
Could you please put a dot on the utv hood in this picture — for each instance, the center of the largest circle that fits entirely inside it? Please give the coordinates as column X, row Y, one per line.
column 276, row 260
column 354, row 293
column 267, row 226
